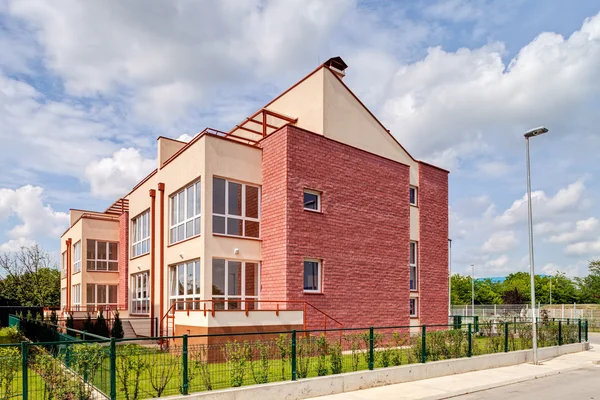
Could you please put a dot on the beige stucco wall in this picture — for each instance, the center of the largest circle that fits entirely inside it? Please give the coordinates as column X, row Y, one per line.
column 414, row 223
column 166, row 148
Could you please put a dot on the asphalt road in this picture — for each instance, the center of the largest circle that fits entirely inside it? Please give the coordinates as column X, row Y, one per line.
column 580, row 384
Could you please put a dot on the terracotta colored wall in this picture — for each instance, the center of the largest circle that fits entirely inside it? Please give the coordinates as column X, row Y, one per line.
column 361, row 236
column 123, row 296
column 433, row 245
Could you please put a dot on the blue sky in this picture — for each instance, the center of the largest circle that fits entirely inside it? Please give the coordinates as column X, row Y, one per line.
column 86, row 87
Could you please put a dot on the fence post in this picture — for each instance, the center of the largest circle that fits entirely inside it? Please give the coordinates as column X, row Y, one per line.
column 24, row 369
column 579, row 329
column 424, row 344
column 294, row 362
column 67, row 355
column 83, row 336
column 515, row 323
column 506, row 337
column 586, row 330
column 560, row 339
column 184, row 366
column 113, row 369
column 470, row 341
column 476, row 324
column 371, row 349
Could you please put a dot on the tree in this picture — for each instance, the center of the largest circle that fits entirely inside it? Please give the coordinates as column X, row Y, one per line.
column 101, row 328
column 589, row 287
column 461, row 289
column 31, row 277
column 88, row 325
column 117, row 328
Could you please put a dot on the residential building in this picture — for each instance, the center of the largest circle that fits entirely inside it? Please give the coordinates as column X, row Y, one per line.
column 309, row 213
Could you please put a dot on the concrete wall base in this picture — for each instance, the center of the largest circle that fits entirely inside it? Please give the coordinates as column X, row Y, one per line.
column 334, row 384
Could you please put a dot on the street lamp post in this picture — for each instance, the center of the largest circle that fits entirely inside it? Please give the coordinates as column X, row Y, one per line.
column 473, row 290
column 529, row 134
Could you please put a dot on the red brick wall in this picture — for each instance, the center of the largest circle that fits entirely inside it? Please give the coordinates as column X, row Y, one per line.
column 362, row 235
column 124, row 259
column 433, row 244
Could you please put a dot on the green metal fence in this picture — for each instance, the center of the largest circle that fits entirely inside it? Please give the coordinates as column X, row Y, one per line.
column 145, row 368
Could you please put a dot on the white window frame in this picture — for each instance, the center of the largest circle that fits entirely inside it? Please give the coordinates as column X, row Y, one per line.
column 320, row 276
column 242, row 217
column 107, row 260
column 416, row 307
column 318, row 194
column 63, row 265
column 175, row 199
column 416, row 202
column 77, row 257
column 95, row 305
column 76, row 296
column 140, row 303
column 174, row 278
column 63, row 298
column 140, row 226
column 413, row 266
column 242, row 297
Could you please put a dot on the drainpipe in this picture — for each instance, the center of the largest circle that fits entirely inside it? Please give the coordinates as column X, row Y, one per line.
column 152, row 256
column 161, row 189
column 68, row 261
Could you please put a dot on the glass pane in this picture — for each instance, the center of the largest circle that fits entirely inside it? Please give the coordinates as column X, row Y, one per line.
column 190, row 201
column 251, row 280
column 181, row 207
column 180, row 233
column 113, row 266
column 173, row 210
column 173, row 275
column 180, row 279
column 234, row 227
column 173, row 235
column 112, row 294
column 189, row 229
column 413, row 253
column 251, row 202
column 234, row 278
column 91, row 265
column 197, row 226
column 134, row 224
column 197, row 199
column 218, row 196
column 102, row 251
column 311, row 275
column 234, row 201
column 101, row 293
column 91, row 250
column 218, row 277
column 218, row 224
column 113, row 251
column 252, row 229
column 190, row 278
column 91, row 293
column 311, row 201
column 101, row 266
column 197, row 277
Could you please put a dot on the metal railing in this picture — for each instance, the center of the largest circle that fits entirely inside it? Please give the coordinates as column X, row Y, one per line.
column 137, row 368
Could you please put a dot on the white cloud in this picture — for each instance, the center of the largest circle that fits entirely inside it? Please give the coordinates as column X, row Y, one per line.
column 35, row 218
column 185, row 137
column 115, row 176
column 569, row 270
column 14, row 245
column 494, row 168
column 497, row 266
column 500, row 242
column 545, row 228
column 583, row 228
column 586, row 248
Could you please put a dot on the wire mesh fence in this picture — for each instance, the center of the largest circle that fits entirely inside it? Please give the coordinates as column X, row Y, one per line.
column 140, row 369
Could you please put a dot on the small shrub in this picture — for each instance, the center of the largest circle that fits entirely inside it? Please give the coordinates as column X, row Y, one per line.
column 86, row 361
column 385, row 355
column 322, row 369
column 100, row 327
column 397, row 352
column 70, row 322
column 284, row 346
column 335, row 358
column 117, row 328
column 201, row 366
column 259, row 362
column 130, row 367
column 236, row 354
column 10, row 358
column 88, row 325
column 161, row 371
column 58, row 384
column 304, row 350
column 12, row 334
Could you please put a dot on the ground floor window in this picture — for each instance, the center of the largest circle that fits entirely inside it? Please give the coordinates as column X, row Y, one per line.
column 76, row 297
column 63, row 297
column 140, row 296
column 312, row 276
column 413, row 307
column 185, row 285
column 235, row 283
column 101, row 296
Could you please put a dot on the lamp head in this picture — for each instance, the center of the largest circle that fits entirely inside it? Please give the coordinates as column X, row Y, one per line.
column 536, row 132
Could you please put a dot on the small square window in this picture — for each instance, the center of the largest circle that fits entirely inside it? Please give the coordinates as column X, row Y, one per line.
column 312, row 200
column 413, row 307
column 312, row 276
column 413, row 196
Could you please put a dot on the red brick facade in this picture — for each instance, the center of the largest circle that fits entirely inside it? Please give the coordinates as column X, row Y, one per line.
column 123, row 296
column 361, row 235
column 433, row 244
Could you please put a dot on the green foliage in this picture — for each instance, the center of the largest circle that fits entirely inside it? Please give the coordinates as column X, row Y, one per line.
column 259, row 362
column 86, row 361
column 162, row 371
column 304, row 350
column 100, row 327
column 70, row 322
column 88, row 325
column 58, row 384
column 236, row 355
column 11, row 335
column 283, row 343
column 322, row 368
column 398, row 342
column 355, row 350
column 335, row 358
column 117, row 328
column 10, row 358
column 131, row 365
column 200, row 366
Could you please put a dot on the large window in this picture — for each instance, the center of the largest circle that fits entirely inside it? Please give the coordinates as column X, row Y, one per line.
column 102, row 256
column 140, row 297
column 185, row 285
column 76, row 296
column 413, row 266
column 77, row 257
column 312, row 276
column 234, row 282
column 236, row 208
column 140, row 234
column 185, row 213
column 101, row 296
column 413, row 308
column 63, row 265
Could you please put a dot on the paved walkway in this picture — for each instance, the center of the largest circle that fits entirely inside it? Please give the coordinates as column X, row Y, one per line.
column 455, row 385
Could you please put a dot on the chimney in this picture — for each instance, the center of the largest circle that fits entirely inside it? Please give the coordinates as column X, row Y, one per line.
column 337, row 66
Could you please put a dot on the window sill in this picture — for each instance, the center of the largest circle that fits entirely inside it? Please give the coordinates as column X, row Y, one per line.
column 414, row 290
column 313, row 211
column 140, row 256
column 182, row 241
column 93, row 270
column 75, row 273
column 414, row 317
column 139, row 315
column 314, row 293
column 414, row 205
column 236, row 237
